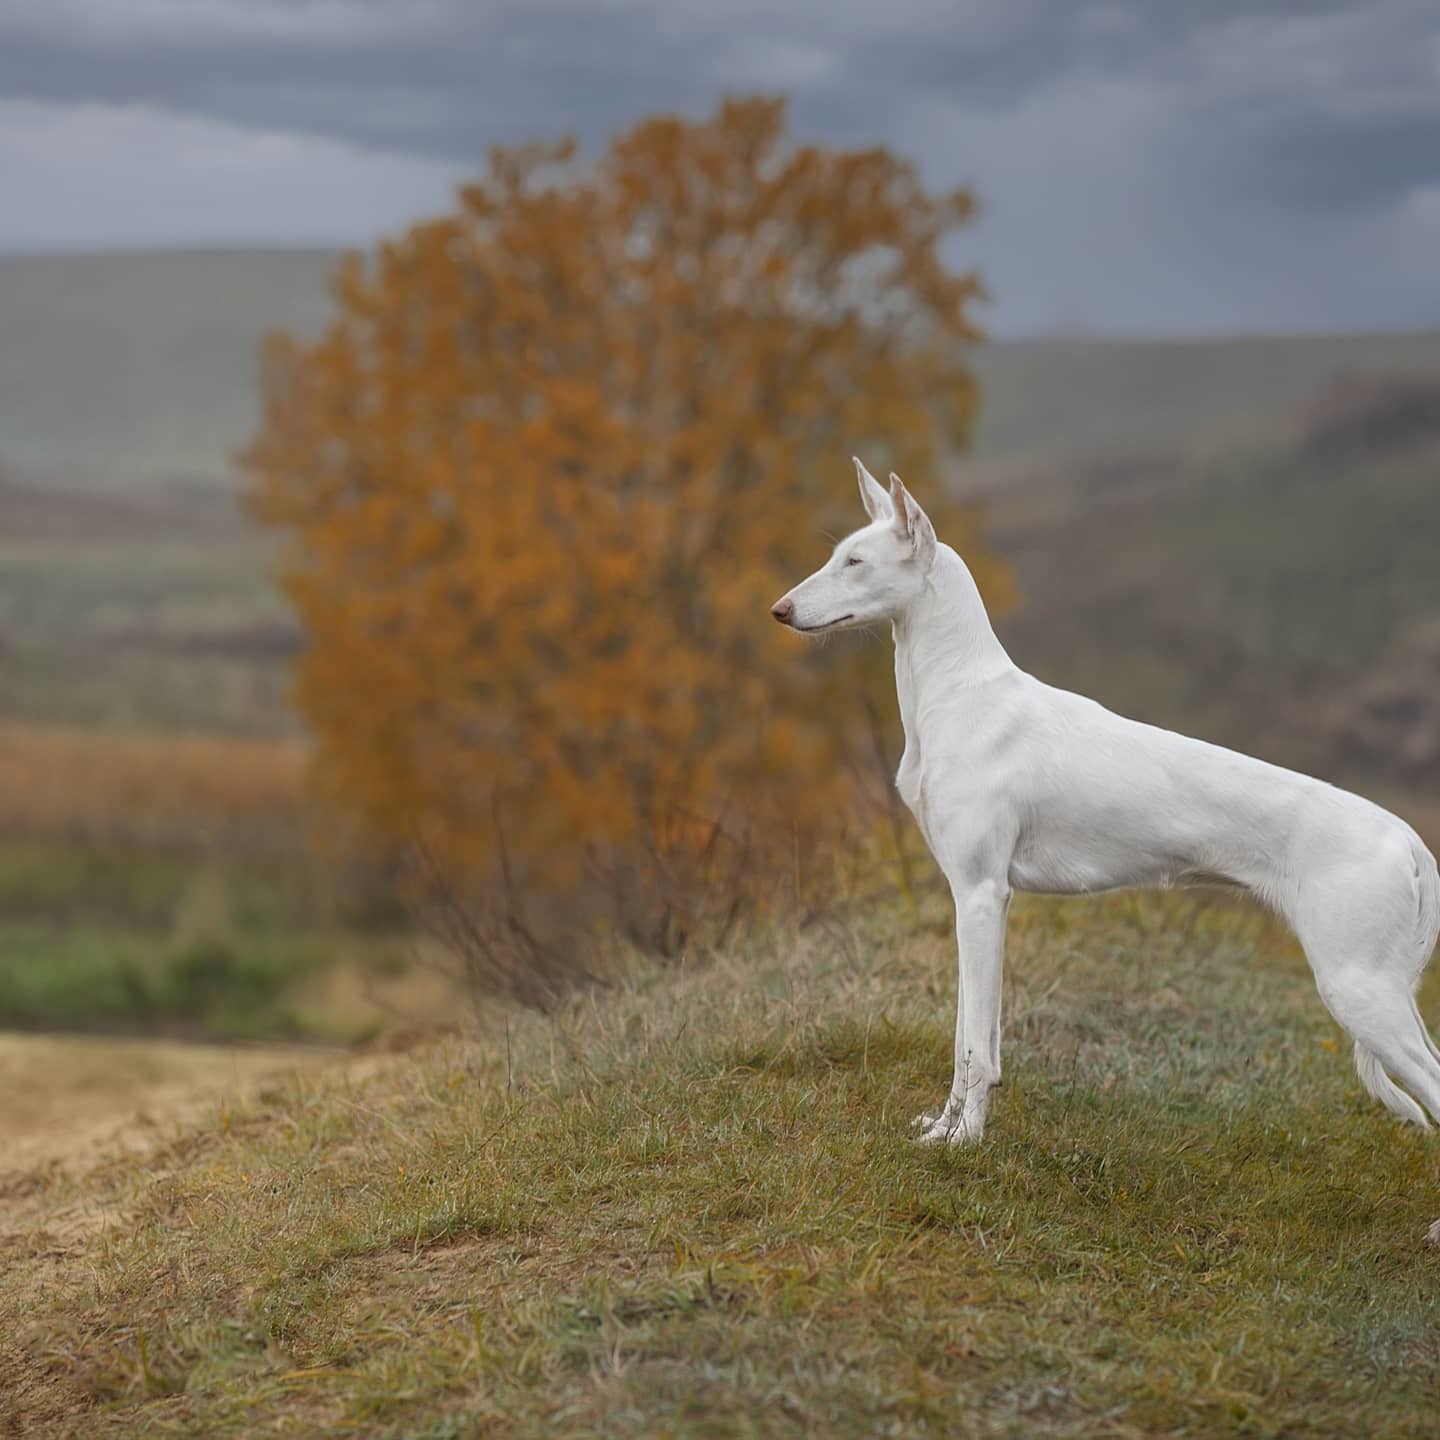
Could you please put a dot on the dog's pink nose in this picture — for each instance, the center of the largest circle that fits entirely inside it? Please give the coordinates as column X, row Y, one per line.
column 782, row 610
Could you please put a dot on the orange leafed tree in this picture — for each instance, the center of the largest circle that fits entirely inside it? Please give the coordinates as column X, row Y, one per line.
column 557, row 453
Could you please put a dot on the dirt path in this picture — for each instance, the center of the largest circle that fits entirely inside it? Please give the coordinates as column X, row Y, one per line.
column 67, row 1103
column 68, row 1100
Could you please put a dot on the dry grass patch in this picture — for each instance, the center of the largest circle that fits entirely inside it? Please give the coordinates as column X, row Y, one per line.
column 150, row 790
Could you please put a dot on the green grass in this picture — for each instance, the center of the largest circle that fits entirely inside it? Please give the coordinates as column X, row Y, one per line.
column 219, row 987
column 689, row 1208
column 146, row 941
column 50, row 881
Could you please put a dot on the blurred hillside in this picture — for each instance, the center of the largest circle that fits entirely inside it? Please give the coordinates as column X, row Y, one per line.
column 125, row 368
column 1235, row 538
column 148, row 608
column 1275, row 588
column 1277, row 591
column 128, row 367
column 1067, row 395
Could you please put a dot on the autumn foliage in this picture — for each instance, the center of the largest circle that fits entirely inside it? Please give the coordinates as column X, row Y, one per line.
column 557, row 453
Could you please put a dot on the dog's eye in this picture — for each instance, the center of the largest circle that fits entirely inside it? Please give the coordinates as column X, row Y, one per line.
column 854, row 560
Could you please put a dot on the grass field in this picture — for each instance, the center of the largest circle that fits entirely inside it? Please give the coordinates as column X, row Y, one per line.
column 688, row 1207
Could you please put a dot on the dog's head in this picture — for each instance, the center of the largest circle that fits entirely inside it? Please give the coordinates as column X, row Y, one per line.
column 874, row 574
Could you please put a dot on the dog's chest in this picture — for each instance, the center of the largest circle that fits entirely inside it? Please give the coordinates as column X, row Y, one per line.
column 908, row 776
column 908, row 783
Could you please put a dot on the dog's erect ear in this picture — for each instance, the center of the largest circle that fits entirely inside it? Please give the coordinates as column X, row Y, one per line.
column 872, row 493
column 911, row 521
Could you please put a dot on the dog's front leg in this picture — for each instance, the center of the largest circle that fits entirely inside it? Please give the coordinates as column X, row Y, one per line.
column 980, row 911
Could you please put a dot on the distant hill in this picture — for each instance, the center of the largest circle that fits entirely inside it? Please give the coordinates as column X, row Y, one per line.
column 1235, row 537
column 142, row 366
column 1278, row 591
column 115, row 367
column 1051, row 395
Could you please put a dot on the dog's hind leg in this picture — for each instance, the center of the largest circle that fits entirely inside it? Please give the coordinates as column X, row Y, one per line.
column 1367, row 947
column 1382, row 1088
column 1391, row 1043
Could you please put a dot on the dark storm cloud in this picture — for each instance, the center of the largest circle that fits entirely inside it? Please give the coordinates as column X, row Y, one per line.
column 444, row 79
column 1202, row 125
column 443, row 82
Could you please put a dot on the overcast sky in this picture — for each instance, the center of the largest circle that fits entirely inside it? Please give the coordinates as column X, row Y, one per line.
column 1145, row 166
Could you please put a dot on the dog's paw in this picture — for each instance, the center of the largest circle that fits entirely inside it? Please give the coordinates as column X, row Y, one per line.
column 925, row 1120
column 948, row 1128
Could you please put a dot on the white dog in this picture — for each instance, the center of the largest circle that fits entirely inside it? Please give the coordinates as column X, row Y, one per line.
column 1017, row 785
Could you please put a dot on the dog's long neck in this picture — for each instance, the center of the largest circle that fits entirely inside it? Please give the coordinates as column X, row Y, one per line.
column 945, row 638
